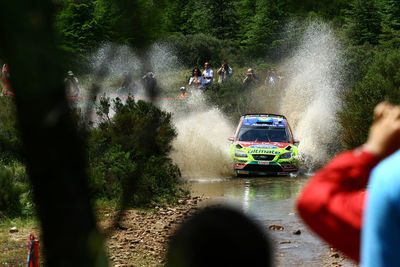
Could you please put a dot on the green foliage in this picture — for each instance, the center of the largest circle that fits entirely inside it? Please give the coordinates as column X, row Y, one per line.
column 82, row 26
column 194, row 50
column 10, row 141
column 262, row 33
column 363, row 22
column 10, row 205
column 381, row 82
column 391, row 23
column 129, row 153
column 231, row 97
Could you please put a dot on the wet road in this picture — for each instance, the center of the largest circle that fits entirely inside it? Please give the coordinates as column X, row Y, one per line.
column 270, row 201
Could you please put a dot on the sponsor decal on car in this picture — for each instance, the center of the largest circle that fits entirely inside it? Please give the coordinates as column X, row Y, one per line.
column 263, row 151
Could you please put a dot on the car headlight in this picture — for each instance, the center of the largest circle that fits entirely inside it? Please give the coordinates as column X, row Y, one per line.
column 286, row 155
column 240, row 154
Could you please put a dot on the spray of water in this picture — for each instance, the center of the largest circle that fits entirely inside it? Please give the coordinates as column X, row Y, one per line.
column 310, row 100
column 201, row 149
column 306, row 95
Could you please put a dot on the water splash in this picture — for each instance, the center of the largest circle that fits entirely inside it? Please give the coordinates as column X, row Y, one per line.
column 310, row 100
column 201, row 149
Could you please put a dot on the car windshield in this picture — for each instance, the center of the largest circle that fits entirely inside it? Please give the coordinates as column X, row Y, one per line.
column 263, row 134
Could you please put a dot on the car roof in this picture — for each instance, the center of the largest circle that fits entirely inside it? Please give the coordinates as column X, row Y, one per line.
column 263, row 115
column 264, row 120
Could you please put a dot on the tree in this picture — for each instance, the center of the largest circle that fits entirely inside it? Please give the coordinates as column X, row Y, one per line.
column 391, row 23
column 263, row 31
column 363, row 23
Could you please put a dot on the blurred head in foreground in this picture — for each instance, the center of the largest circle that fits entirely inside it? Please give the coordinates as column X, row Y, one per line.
column 219, row 236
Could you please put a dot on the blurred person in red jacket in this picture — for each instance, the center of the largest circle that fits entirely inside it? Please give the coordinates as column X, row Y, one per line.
column 5, row 79
column 332, row 203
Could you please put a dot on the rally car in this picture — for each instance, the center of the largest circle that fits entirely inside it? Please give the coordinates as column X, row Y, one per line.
column 263, row 144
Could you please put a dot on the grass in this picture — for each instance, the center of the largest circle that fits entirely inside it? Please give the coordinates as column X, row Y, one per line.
column 13, row 250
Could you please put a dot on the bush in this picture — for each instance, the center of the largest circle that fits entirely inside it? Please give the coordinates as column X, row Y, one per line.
column 232, row 98
column 128, row 153
column 381, row 82
column 10, row 205
column 10, row 141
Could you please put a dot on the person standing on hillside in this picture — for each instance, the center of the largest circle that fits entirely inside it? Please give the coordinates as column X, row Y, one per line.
column 224, row 72
column 71, row 85
column 251, row 78
column 208, row 75
column 196, row 81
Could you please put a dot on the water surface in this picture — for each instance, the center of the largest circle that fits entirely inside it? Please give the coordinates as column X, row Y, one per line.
column 271, row 201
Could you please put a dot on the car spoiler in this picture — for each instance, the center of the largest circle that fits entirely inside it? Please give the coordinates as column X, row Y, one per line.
column 263, row 114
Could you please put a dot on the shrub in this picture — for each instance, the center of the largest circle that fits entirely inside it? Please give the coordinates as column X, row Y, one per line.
column 10, row 141
column 128, row 153
column 231, row 97
column 10, row 205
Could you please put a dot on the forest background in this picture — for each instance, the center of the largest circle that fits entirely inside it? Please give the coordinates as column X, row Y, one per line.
column 257, row 33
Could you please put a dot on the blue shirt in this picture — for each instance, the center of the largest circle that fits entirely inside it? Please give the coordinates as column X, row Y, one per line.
column 380, row 239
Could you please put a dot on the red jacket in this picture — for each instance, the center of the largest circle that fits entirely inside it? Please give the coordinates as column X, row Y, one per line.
column 332, row 202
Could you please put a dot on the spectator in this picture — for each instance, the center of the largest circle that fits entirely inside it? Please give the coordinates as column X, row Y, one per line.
column 149, row 82
column 183, row 93
column 71, row 85
column 196, row 81
column 272, row 78
column 219, row 236
column 128, row 86
column 224, row 72
column 381, row 222
column 208, row 75
column 332, row 202
column 5, row 78
column 251, row 78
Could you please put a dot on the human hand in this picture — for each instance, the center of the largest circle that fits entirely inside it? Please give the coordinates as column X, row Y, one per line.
column 384, row 135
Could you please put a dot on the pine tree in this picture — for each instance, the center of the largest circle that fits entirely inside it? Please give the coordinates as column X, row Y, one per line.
column 391, row 23
column 263, row 30
column 363, row 22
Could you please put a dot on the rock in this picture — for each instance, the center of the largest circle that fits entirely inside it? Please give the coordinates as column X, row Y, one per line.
column 276, row 227
column 14, row 229
column 285, row 242
column 334, row 249
column 297, row 232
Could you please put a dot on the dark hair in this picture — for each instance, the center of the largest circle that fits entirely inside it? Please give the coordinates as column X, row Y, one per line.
column 195, row 70
column 220, row 236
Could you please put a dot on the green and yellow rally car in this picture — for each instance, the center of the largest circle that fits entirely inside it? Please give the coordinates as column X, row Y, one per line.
column 263, row 144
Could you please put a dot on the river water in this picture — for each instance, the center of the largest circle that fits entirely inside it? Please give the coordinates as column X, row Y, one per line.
column 271, row 201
